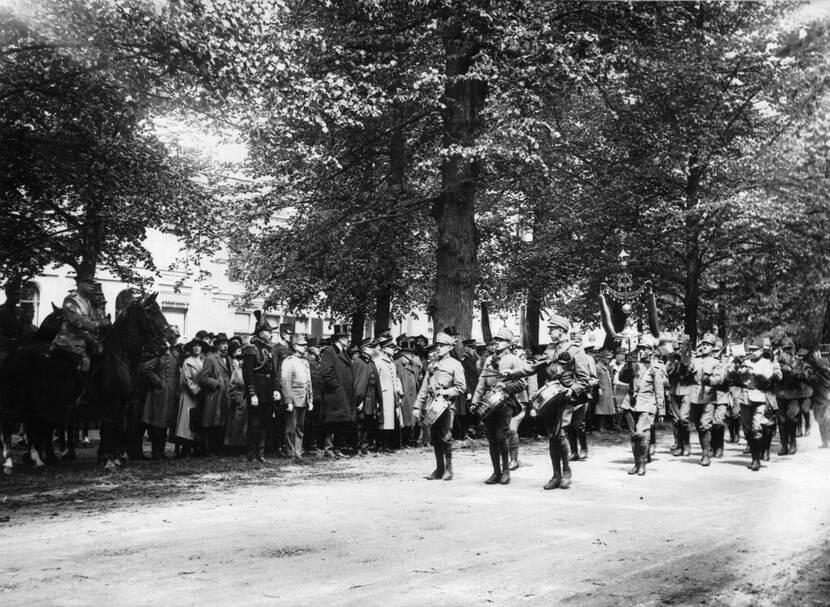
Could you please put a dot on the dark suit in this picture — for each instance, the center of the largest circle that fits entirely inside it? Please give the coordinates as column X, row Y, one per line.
column 338, row 408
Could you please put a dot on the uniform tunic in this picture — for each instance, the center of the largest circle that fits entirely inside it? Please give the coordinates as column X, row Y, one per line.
column 81, row 319
column 758, row 404
column 708, row 373
column 444, row 376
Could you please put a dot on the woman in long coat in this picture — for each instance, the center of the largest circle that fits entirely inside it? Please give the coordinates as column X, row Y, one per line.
column 189, row 396
column 237, row 427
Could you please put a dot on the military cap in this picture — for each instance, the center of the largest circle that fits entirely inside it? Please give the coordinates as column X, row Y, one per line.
column 504, row 334
column 286, row 328
column 469, row 343
column 367, row 342
column 561, row 322
column 709, row 338
column 442, row 339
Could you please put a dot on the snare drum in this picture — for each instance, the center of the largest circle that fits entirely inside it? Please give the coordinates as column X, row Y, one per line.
column 545, row 395
column 492, row 402
column 434, row 410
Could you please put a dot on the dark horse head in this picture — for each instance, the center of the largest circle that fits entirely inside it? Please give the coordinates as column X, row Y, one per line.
column 139, row 329
column 50, row 325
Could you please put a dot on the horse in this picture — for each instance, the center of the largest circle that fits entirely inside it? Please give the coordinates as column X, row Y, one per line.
column 47, row 389
column 19, row 371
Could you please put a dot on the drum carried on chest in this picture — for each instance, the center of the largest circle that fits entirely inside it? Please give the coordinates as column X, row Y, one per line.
column 545, row 395
column 492, row 402
column 434, row 409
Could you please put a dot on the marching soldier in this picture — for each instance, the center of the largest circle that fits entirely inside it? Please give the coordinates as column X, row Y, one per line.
column 680, row 387
column 758, row 404
column 708, row 373
column 497, row 422
column 445, row 379
column 647, row 377
column 791, row 392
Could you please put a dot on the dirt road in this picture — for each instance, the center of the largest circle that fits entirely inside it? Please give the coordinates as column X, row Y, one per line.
column 372, row 531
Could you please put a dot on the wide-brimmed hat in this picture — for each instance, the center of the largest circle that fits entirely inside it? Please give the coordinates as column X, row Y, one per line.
column 220, row 337
column 188, row 347
column 235, row 349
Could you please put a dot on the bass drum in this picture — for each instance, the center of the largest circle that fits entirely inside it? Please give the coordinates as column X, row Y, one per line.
column 545, row 395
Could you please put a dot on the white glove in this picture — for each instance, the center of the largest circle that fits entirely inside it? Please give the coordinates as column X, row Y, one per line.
column 310, row 407
column 254, row 401
column 416, row 414
column 290, row 407
column 277, row 395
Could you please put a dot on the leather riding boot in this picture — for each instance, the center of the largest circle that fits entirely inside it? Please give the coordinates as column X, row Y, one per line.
column 674, row 437
column 583, row 445
column 652, row 442
column 733, row 430
column 767, row 441
column 791, row 430
column 504, row 478
column 783, row 431
column 635, row 449
column 677, row 450
column 806, row 417
column 495, row 458
column 644, row 456
column 757, row 449
column 705, row 446
column 553, row 450
column 687, row 441
column 447, row 476
column 566, row 466
column 717, row 441
column 573, row 443
column 438, row 473
column 513, row 442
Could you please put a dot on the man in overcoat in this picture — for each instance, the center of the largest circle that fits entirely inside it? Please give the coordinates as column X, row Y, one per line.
column 367, row 396
column 260, row 385
column 410, row 372
column 338, row 392
column 161, row 397
column 215, row 382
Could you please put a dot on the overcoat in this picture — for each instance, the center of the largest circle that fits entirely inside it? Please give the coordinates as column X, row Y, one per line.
column 410, row 373
column 237, row 427
column 338, row 386
column 366, row 386
column 161, row 378
column 215, row 382
column 605, row 390
column 390, row 388
column 189, row 395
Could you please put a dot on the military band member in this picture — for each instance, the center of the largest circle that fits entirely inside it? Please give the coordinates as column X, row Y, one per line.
column 707, row 372
column 791, row 392
column 758, row 404
column 680, row 387
column 444, row 378
column 497, row 422
column 647, row 378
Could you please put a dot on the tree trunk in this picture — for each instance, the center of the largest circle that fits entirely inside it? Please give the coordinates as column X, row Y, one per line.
column 383, row 310
column 456, row 270
column 532, row 317
column 358, row 324
column 691, row 303
column 825, row 330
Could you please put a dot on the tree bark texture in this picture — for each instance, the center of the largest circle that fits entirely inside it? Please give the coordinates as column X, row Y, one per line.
column 456, row 254
column 691, row 303
column 358, row 324
column 383, row 310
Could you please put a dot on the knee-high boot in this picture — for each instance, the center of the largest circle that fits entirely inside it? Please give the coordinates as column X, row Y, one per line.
column 438, row 450
column 513, row 442
column 555, row 460
column 566, row 466
column 652, row 442
column 674, row 437
column 687, row 440
column 495, row 460
column 573, row 443
column 767, row 441
column 635, row 450
column 448, row 463
column 504, row 478
column 705, row 445
column 733, row 429
column 756, row 447
column 791, row 431
column 583, row 444
column 783, row 435
column 679, row 440
column 717, row 441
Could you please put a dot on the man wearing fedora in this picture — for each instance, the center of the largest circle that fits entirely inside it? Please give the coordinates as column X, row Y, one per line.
column 338, row 407
column 367, row 395
column 410, row 372
column 297, row 397
column 445, row 378
column 215, row 382
column 708, row 373
column 260, row 384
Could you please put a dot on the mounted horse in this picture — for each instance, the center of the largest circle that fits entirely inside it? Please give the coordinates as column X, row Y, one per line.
column 45, row 389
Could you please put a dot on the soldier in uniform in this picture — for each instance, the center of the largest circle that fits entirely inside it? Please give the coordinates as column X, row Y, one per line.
column 791, row 392
column 758, row 403
column 707, row 373
column 680, row 389
column 82, row 320
column 501, row 363
column 567, row 364
column 296, row 394
column 260, row 385
column 11, row 327
column 445, row 378
column 647, row 376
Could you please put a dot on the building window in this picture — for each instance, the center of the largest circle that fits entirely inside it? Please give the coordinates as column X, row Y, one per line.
column 242, row 323
column 30, row 299
column 176, row 317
